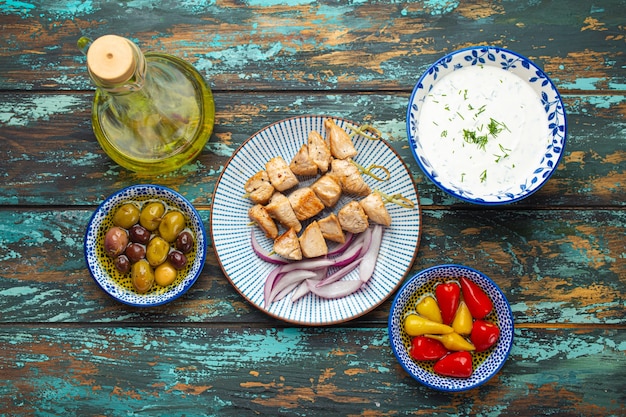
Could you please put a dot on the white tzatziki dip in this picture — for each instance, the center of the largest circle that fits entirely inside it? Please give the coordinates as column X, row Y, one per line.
column 483, row 129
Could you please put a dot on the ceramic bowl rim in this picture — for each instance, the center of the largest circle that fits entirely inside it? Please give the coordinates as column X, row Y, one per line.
column 201, row 249
column 447, row 190
column 395, row 306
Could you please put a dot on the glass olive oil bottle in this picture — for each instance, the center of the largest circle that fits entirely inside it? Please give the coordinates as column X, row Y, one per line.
column 152, row 112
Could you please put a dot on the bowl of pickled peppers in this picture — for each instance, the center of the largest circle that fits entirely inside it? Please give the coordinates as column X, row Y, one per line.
column 451, row 328
column 145, row 245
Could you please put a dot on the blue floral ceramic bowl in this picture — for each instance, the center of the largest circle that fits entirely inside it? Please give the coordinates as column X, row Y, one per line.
column 486, row 125
column 486, row 364
column 102, row 268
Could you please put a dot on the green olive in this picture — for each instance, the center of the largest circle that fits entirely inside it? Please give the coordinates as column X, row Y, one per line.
column 142, row 276
column 157, row 251
column 172, row 224
column 151, row 215
column 126, row 216
column 165, row 274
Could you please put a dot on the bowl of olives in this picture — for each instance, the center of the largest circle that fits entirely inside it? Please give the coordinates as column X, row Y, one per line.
column 145, row 245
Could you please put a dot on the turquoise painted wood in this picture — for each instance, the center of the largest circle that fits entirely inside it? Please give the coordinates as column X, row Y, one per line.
column 207, row 371
column 68, row 349
column 591, row 172
column 43, row 277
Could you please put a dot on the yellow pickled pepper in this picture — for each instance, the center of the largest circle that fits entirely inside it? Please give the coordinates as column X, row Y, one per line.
column 463, row 320
column 429, row 308
column 416, row 325
column 453, row 341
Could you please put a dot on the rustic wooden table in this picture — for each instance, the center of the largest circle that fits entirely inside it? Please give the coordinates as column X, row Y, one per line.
column 66, row 348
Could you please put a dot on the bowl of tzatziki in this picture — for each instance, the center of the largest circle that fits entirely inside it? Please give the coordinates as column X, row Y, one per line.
column 486, row 125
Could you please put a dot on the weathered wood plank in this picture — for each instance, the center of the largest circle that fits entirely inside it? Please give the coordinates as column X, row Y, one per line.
column 50, row 155
column 555, row 266
column 347, row 46
column 232, row 371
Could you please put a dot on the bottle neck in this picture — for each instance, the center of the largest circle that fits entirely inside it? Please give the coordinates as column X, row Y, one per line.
column 133, row 82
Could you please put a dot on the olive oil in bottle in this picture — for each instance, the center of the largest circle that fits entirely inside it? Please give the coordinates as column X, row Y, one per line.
column 152, row 112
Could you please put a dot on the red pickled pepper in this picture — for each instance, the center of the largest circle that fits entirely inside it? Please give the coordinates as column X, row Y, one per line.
column 448, row 296
column 477, row 301
column 484, row 335
column 456, row 364
column 426, row 349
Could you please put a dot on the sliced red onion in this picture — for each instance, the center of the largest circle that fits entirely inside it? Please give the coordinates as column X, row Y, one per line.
column 303, row 288
column 309, row 264
column 349, row 256
column 342, row 247
column 264, row 254
column 366, row 269
column 289, row 280
column 269, row 283
column 301, row 291
column 340, row 273
column 337, row 289
column 367, row 239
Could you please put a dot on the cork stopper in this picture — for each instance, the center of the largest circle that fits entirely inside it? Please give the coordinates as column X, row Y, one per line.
column 110, row 58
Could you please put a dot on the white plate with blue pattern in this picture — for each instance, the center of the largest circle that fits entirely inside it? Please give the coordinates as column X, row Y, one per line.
column 230, row 225
column 404, row 303
column 529, row 152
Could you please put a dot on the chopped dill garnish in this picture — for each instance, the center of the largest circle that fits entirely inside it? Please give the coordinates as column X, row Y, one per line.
column 470, row 136
column 483, row 176
column 496, row 127
column 444, row 134
column 505, row 152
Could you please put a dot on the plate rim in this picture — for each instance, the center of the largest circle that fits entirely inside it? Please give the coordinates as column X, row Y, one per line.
column 478, row 200
column 311, row 323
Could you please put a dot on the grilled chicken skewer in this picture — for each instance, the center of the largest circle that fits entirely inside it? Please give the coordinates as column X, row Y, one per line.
column 332, row 158
column 340, row 144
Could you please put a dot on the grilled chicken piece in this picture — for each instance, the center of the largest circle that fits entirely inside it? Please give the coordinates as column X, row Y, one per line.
column 259, row 188
column 261, row 217
column 331, row 229
column 375, row 209
column 352, row 218
column 319, row 151
column 327, row 189
column 305, row 203
column 349, row 177
column 279, row 174
column 302, row 164
column 312, row 242
column 287, row 245
column 280, row 210
column 341, row 145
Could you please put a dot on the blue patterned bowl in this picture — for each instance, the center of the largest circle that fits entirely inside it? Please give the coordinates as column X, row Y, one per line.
column 119, row 285
column 490, row 361
column 486, row 125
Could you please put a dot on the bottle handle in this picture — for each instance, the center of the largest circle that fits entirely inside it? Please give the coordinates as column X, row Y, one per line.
column 83, row 44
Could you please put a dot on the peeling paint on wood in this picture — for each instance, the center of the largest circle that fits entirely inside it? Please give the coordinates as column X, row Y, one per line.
column 68, row 349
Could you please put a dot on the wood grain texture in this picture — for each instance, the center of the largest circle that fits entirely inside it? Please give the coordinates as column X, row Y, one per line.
column 354, row 46
column 555, row 266
column 42, row 133
column 559, row 256
column 208, row 371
